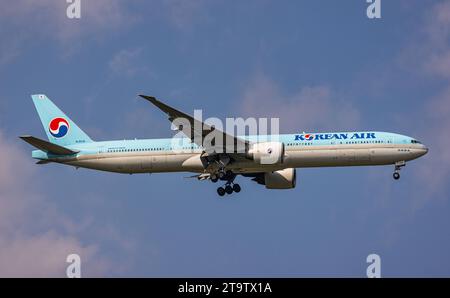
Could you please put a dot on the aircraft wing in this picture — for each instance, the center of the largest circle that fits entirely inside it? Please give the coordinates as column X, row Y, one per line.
column 197, row 131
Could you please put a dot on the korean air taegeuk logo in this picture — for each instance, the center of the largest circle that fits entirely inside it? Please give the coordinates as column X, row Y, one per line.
column 58, row 127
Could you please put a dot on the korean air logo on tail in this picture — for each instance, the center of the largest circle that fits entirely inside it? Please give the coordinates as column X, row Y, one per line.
column 58, row 127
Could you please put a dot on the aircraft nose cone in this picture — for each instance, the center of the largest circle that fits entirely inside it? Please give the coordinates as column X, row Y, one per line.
column 423, row 151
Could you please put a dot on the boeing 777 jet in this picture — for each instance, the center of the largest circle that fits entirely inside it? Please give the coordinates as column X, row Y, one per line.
column 245, row 155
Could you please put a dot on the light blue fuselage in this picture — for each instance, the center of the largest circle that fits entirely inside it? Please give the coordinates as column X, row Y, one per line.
column 302, row 150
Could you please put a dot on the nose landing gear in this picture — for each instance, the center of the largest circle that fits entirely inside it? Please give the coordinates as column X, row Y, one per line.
column 398, row 166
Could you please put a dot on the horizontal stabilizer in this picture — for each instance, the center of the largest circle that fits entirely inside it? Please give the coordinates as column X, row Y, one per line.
column 47, row 146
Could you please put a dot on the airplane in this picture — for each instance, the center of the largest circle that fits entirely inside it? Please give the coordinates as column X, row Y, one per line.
column 69, row 145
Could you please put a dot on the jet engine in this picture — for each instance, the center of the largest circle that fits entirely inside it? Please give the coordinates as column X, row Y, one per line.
column 267, row 152
column 283, row 179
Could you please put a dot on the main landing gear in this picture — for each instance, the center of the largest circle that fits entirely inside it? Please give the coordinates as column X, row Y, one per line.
column 228, row 189
column 229, row 186
column 221, row 175
column 398, row 166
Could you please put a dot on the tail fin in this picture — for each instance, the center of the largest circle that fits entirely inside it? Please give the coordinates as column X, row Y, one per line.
column 60, row 129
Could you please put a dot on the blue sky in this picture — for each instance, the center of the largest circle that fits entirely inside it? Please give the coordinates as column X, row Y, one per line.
column 318, row 65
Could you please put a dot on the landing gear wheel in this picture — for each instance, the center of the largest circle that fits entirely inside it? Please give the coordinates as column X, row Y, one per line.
column 228, row 189
column 221, row 191
column 221, row 174
column 236, row 188
column 398, row 167
column 396, row 175
column 214, row 179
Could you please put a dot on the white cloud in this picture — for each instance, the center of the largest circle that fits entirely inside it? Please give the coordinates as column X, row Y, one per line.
column 43, row 255
column 433, row 172
column 28, row 20
column 9, row 51
column 35, row 238
column 310, row 108
column 429, row 52
column 428, row 55
column 49, row 17
column 185, row 14
column 127, row 62
column 24, row 21
column 438, row 23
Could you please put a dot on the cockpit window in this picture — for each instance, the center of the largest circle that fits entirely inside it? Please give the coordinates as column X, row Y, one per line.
column 415, row 142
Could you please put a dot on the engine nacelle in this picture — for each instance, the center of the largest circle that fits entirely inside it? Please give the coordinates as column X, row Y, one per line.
column 267, row 153
column 283, row 179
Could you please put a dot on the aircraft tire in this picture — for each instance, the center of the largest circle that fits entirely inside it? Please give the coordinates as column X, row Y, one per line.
column 228, row 189
column 221, row 191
